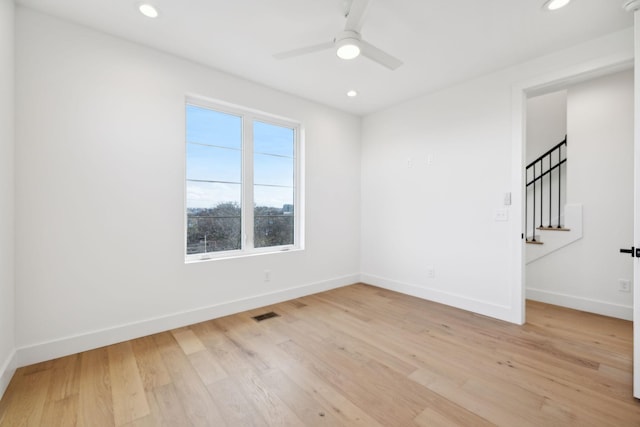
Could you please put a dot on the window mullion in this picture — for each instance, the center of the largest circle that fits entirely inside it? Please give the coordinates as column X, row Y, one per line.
column 247, row 183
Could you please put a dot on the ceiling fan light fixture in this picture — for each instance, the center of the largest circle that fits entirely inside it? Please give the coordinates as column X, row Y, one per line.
column 348, row 49
column 555, row 4
column 348, row 44
column 148, row 10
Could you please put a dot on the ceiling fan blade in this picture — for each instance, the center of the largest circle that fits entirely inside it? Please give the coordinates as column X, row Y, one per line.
column 355, row 17
column 379, row 56
column 303, row 50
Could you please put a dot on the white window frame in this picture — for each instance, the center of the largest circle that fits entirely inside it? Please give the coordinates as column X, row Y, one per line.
column 249, row 116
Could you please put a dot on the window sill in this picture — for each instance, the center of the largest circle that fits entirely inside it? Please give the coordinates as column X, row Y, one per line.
column 194, row 259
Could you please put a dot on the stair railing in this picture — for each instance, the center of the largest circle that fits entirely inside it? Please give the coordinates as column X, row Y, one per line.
column 537, row 170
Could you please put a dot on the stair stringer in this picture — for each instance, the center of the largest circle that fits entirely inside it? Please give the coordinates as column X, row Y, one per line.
column 555, row 240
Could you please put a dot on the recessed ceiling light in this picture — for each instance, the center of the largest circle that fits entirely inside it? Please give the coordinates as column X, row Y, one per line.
column 148, row 10
column 352, row 93
column 555, row 4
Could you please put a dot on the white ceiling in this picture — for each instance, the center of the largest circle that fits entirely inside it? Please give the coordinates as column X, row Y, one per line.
column 441, row 42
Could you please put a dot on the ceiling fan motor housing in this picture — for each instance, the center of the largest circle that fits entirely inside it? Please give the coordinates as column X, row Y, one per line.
column 347, row 44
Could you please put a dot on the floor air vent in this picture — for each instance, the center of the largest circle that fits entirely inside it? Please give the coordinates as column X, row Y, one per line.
column 265, row 316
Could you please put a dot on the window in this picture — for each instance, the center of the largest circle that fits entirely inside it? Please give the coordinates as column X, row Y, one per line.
column 242, row 174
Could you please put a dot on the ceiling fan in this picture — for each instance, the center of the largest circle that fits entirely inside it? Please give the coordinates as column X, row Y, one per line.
column 349, row 43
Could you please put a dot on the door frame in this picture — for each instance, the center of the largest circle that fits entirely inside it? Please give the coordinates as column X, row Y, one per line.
column 550, row 82
column 636, row 209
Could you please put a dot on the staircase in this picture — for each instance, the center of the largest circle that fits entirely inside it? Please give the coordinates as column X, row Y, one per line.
column 549, row 240
column 549, row 223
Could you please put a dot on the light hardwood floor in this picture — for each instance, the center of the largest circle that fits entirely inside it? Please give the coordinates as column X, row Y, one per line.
column 352, row 356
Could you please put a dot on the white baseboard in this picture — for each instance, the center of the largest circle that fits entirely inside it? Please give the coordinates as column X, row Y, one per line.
column 583, row 304
column 40, row 352
column 485, row 308
column 7, row 369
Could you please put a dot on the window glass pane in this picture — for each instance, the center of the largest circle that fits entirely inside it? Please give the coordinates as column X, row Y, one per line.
column 210, row 127
column 274, row 181
column 213, row 217
column 214, row 155
column 273, row 216
column 213, row 163
column 272, row 170
column 273, row 139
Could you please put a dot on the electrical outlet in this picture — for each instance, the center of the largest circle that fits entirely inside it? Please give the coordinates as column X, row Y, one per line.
column 501, row 215
column 267, row 275
column 624, row 285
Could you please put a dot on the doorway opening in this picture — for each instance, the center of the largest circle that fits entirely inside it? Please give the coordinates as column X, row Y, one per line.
column 548, row 83
column 580, row 213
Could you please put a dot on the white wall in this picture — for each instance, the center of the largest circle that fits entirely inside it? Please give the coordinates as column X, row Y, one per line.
column 546, row 122
column 441, row 213
column 100, row 189
column 585, row 274
column 546, row 126
column 7, row 283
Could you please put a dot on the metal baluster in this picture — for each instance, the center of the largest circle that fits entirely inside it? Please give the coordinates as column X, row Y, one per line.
column 541, row 190
column 526, row 204
column 534, row 203
column 550, row 174
column 559, row 180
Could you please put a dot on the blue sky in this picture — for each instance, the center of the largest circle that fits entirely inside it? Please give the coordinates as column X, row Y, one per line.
column 214, row 153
